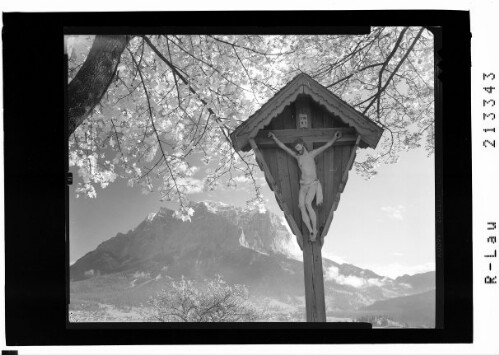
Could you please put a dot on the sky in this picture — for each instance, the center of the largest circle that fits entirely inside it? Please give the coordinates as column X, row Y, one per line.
column 385, row 224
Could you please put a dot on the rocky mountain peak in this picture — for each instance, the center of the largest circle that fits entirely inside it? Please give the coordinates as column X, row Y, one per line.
column 220, row 234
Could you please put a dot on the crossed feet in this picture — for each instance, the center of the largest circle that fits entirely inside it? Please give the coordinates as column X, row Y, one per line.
column 313, row 236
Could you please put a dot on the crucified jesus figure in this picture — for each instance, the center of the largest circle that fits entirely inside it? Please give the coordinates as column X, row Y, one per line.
column 310, row 187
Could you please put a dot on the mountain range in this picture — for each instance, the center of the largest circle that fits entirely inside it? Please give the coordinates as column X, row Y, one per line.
column 244, row 247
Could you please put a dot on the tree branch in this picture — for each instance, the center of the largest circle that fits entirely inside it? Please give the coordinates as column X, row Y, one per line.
column 380, row 91
column 357, row 71
column 179, row 194
column 174, row 70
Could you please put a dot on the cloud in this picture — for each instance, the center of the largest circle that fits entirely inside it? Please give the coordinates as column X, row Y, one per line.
column 375, row 282
column 241, row 179
column 396, row 212
column 353, row 281
column 333, row 273
column 394, row 270
column 190, row 185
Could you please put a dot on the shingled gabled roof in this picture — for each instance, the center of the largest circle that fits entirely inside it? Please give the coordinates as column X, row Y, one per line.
column 370, row 133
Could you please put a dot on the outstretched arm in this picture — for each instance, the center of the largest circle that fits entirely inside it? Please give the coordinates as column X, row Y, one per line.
column 319, row 150
column 282, row 145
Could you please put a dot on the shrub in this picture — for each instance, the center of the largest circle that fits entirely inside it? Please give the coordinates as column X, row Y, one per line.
column 209, row 301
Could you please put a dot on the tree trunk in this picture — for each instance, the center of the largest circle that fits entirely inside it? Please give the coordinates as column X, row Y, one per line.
column 92, row 80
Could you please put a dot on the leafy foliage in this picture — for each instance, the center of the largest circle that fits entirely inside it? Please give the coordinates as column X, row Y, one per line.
column 176, row 98
column 212, row 301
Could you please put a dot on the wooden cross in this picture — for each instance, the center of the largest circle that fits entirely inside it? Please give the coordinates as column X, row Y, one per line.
column 305, row 109
column 313, row 137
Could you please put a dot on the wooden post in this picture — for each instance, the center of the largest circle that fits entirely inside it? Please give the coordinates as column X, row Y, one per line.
column 315, row 302
column 314, row 281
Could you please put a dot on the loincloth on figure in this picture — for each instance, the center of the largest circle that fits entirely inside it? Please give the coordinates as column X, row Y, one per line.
column 318, row 190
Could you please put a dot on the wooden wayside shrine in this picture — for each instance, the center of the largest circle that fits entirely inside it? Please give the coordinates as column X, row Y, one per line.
column 305, row 109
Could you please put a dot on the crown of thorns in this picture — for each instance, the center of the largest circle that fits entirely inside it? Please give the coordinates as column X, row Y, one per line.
column 298, row 141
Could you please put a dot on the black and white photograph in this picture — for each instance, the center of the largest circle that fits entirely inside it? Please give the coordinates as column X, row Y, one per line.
column 250, row 180
column 253, row 177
